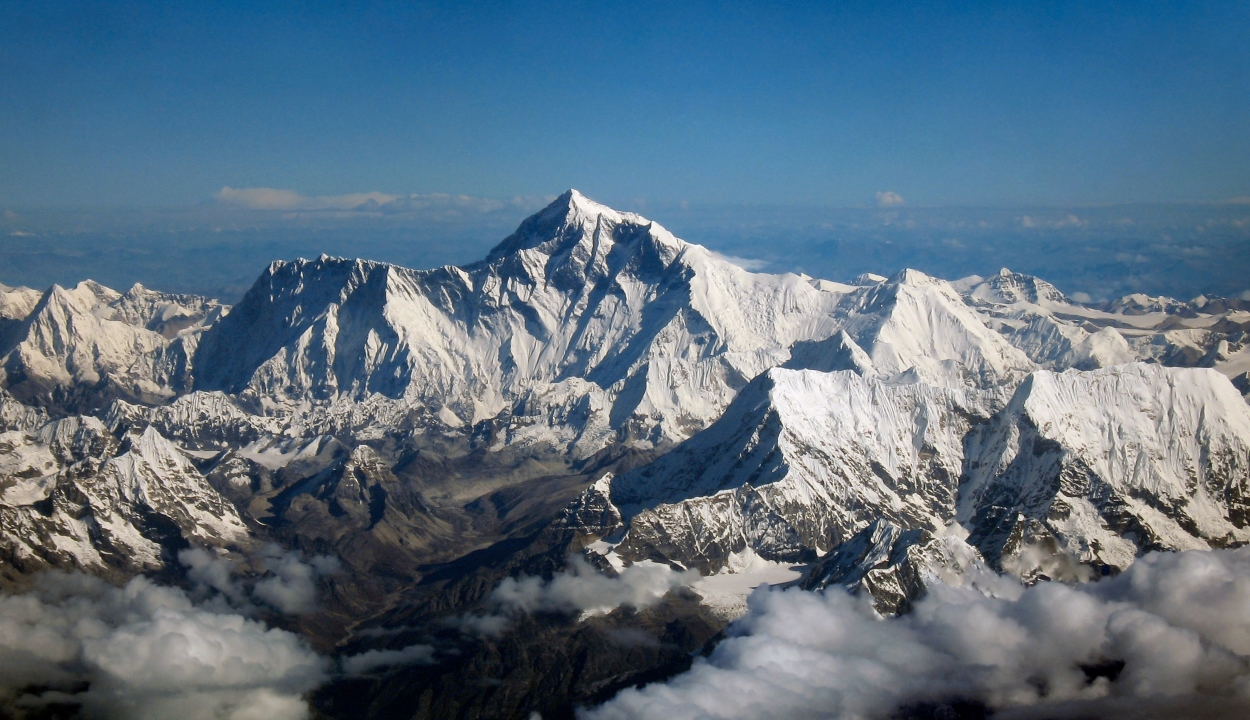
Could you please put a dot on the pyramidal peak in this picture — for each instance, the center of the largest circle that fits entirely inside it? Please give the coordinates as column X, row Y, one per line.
column 572, row 220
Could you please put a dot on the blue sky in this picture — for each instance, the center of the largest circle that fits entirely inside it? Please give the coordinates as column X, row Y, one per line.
column 819, row 104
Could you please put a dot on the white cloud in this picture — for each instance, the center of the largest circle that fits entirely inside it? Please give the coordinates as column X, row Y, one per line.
column 1245, row 295
column 289, row 583
column 888, row 198
column 1081, row 297
column 580, row 588
column 1068, row 221
column 292, row 585
column 146, row 651
column 1174, row 630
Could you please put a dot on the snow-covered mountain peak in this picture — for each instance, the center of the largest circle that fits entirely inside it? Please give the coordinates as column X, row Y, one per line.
column 17, row 302
column 918, row 325
column 662, row 332
column 575, row 242
column 865, row 279
column 1007, row 288
column 1111, row 462
column 91, row 294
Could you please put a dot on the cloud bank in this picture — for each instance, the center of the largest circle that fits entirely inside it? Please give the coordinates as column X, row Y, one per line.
column 145, row 651
column 1167, row 638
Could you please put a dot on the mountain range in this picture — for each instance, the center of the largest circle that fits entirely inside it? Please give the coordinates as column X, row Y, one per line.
column 597, row 389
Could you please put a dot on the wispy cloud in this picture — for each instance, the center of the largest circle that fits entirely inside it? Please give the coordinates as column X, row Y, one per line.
column 261, row 198
column 370, row 660
column 1069, row 221
column 748, row 264
column 281, row 199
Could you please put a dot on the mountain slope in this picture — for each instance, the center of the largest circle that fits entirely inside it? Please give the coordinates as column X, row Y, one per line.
column 799, row 462
column 913, row 327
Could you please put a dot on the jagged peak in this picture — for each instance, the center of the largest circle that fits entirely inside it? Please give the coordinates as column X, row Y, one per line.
column 1006, row 287
column 103, row 294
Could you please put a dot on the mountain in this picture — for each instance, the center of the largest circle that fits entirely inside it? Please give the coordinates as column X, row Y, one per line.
column 592, row 324
column 800, row 462
column 1059, row 333
column 1079, row 471
column 894, row 566
column 1109, row 464
column 912, row 327
column 15, row 305
column 77, row 497
column 78, row 349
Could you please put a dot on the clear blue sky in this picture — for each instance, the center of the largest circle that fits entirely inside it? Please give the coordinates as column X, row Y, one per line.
column 809, row 103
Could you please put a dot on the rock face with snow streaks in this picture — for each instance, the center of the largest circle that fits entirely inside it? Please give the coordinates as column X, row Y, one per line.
column 1107, row 464
column 800, row 462
column 1080, row 471
column 76, row 497
column 892, row 565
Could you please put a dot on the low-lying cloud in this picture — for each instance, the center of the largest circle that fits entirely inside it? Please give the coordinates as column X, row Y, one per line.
column 146, row 651
column 289, row 582
column 581, row 588
column 370, row 660
column 1168, row 637
column 261, row 198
